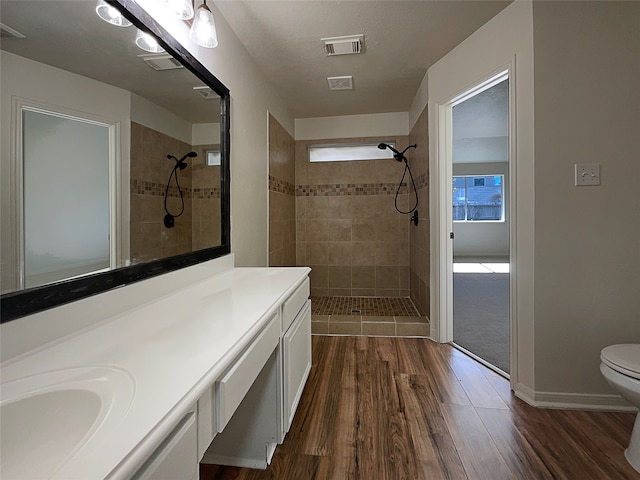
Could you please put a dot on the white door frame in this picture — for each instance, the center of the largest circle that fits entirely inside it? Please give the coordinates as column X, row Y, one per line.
column 19, row 105
column 442, row 195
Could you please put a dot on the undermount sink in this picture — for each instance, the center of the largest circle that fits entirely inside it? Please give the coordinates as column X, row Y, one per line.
column 45, row 419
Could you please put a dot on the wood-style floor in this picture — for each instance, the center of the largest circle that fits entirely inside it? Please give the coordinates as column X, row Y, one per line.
column 405, row 408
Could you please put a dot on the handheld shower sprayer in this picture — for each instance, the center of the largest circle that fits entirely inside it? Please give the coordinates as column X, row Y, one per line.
column 181, row 163
column 399, row 156
column 169, row 218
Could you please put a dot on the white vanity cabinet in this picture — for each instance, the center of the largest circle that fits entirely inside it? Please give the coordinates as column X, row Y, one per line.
column 296, row 351
column 254, row 402
column 211, row 373
column 176, row 457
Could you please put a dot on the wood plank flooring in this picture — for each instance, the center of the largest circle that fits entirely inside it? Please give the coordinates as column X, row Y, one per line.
column 409, row 408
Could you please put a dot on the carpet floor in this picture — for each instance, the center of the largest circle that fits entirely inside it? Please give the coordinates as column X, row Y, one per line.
column 481, row 316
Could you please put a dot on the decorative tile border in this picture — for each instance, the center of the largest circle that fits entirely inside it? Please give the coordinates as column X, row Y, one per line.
column 142, row 187
column 345, row 189
column 204, row 193
column 281, row 186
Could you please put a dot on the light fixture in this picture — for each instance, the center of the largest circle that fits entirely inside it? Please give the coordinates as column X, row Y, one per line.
column 182, row 9
column 111, row 14
column 203, row 28
column 147, row 43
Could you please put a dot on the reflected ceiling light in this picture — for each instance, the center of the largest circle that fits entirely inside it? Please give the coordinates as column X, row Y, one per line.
column 203, row 28
column 111, row 14
column 147, row 43
column 182, row 9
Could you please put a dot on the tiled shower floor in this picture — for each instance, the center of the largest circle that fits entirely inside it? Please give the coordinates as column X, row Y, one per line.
column 375, row 316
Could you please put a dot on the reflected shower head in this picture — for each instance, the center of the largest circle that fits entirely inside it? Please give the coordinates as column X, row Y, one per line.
column 181, row 164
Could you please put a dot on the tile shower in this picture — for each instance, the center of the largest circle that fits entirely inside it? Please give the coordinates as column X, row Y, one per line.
column 339, row 218
column 199, row 226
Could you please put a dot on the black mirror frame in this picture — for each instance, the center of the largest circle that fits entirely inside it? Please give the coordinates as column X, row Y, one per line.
column 25, row 302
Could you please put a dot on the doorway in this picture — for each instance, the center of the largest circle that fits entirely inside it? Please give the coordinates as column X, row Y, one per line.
column 480, row 214
column 65, row 205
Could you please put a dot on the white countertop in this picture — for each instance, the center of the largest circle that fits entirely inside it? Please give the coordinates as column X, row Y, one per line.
column 170, row 350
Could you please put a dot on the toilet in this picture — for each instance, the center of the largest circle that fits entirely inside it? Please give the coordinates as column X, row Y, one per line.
column 621, row 368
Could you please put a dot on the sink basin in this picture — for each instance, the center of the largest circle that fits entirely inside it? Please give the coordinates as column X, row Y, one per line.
column 46, row 419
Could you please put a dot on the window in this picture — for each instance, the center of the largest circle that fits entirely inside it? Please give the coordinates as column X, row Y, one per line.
column 348, row 151
column 478, row 198
column 213, row 157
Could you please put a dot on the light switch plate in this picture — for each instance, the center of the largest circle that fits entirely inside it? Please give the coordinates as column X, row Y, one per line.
column 587, row 174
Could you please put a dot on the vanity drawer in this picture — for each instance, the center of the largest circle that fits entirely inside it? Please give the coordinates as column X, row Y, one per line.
column 294, row 304
column 231, row 389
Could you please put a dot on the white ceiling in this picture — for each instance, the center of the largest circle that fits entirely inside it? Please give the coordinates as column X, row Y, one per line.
column 402, row 40
column 68, row 34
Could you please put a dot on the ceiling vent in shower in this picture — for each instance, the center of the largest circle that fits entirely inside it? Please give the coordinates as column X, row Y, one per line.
column 340, row 83
column 343, row 45
column 206, row 92
column 161, row 61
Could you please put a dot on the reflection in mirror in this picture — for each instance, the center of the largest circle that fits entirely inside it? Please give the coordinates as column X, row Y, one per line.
column 92, row 127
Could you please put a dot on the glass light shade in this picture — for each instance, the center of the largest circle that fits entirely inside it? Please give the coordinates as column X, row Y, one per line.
column 111, row 14
column 182, row 9
column 147, row 43
column 203, row 28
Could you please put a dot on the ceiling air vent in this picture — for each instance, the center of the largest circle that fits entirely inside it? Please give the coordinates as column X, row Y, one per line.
column 343, row 45
column 206, row 92
column 8, row 32
column 340, row 83
column 161, row 61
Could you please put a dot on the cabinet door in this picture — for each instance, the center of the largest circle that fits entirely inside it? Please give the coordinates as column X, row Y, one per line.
column 297, row 362
column 176, row 458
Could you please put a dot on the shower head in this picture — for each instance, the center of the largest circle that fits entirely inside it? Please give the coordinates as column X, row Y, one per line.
column 383, row 146
column 181, row 163
column 396, row 154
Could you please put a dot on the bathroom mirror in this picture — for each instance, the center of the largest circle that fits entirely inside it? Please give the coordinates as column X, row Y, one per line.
column 97, row 136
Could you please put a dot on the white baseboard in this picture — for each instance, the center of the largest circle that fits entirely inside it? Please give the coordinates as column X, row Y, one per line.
column 573, row 401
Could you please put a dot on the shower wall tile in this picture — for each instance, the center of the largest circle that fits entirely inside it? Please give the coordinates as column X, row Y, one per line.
column 149, row 172
column 387, row 277
column 346, row 221
column 339, row 276
column 419, row 239
column 363, row 277
column 363, row 292
column 283, row 205
column 339, row 253
column 379, row 329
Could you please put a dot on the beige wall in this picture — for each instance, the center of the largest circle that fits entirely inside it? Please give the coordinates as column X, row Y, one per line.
column 419, row 255
column 251, row 97
column 504, row 41
column 576, row 248
column 282, row 199
column 587, row 260
column 348, row 230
